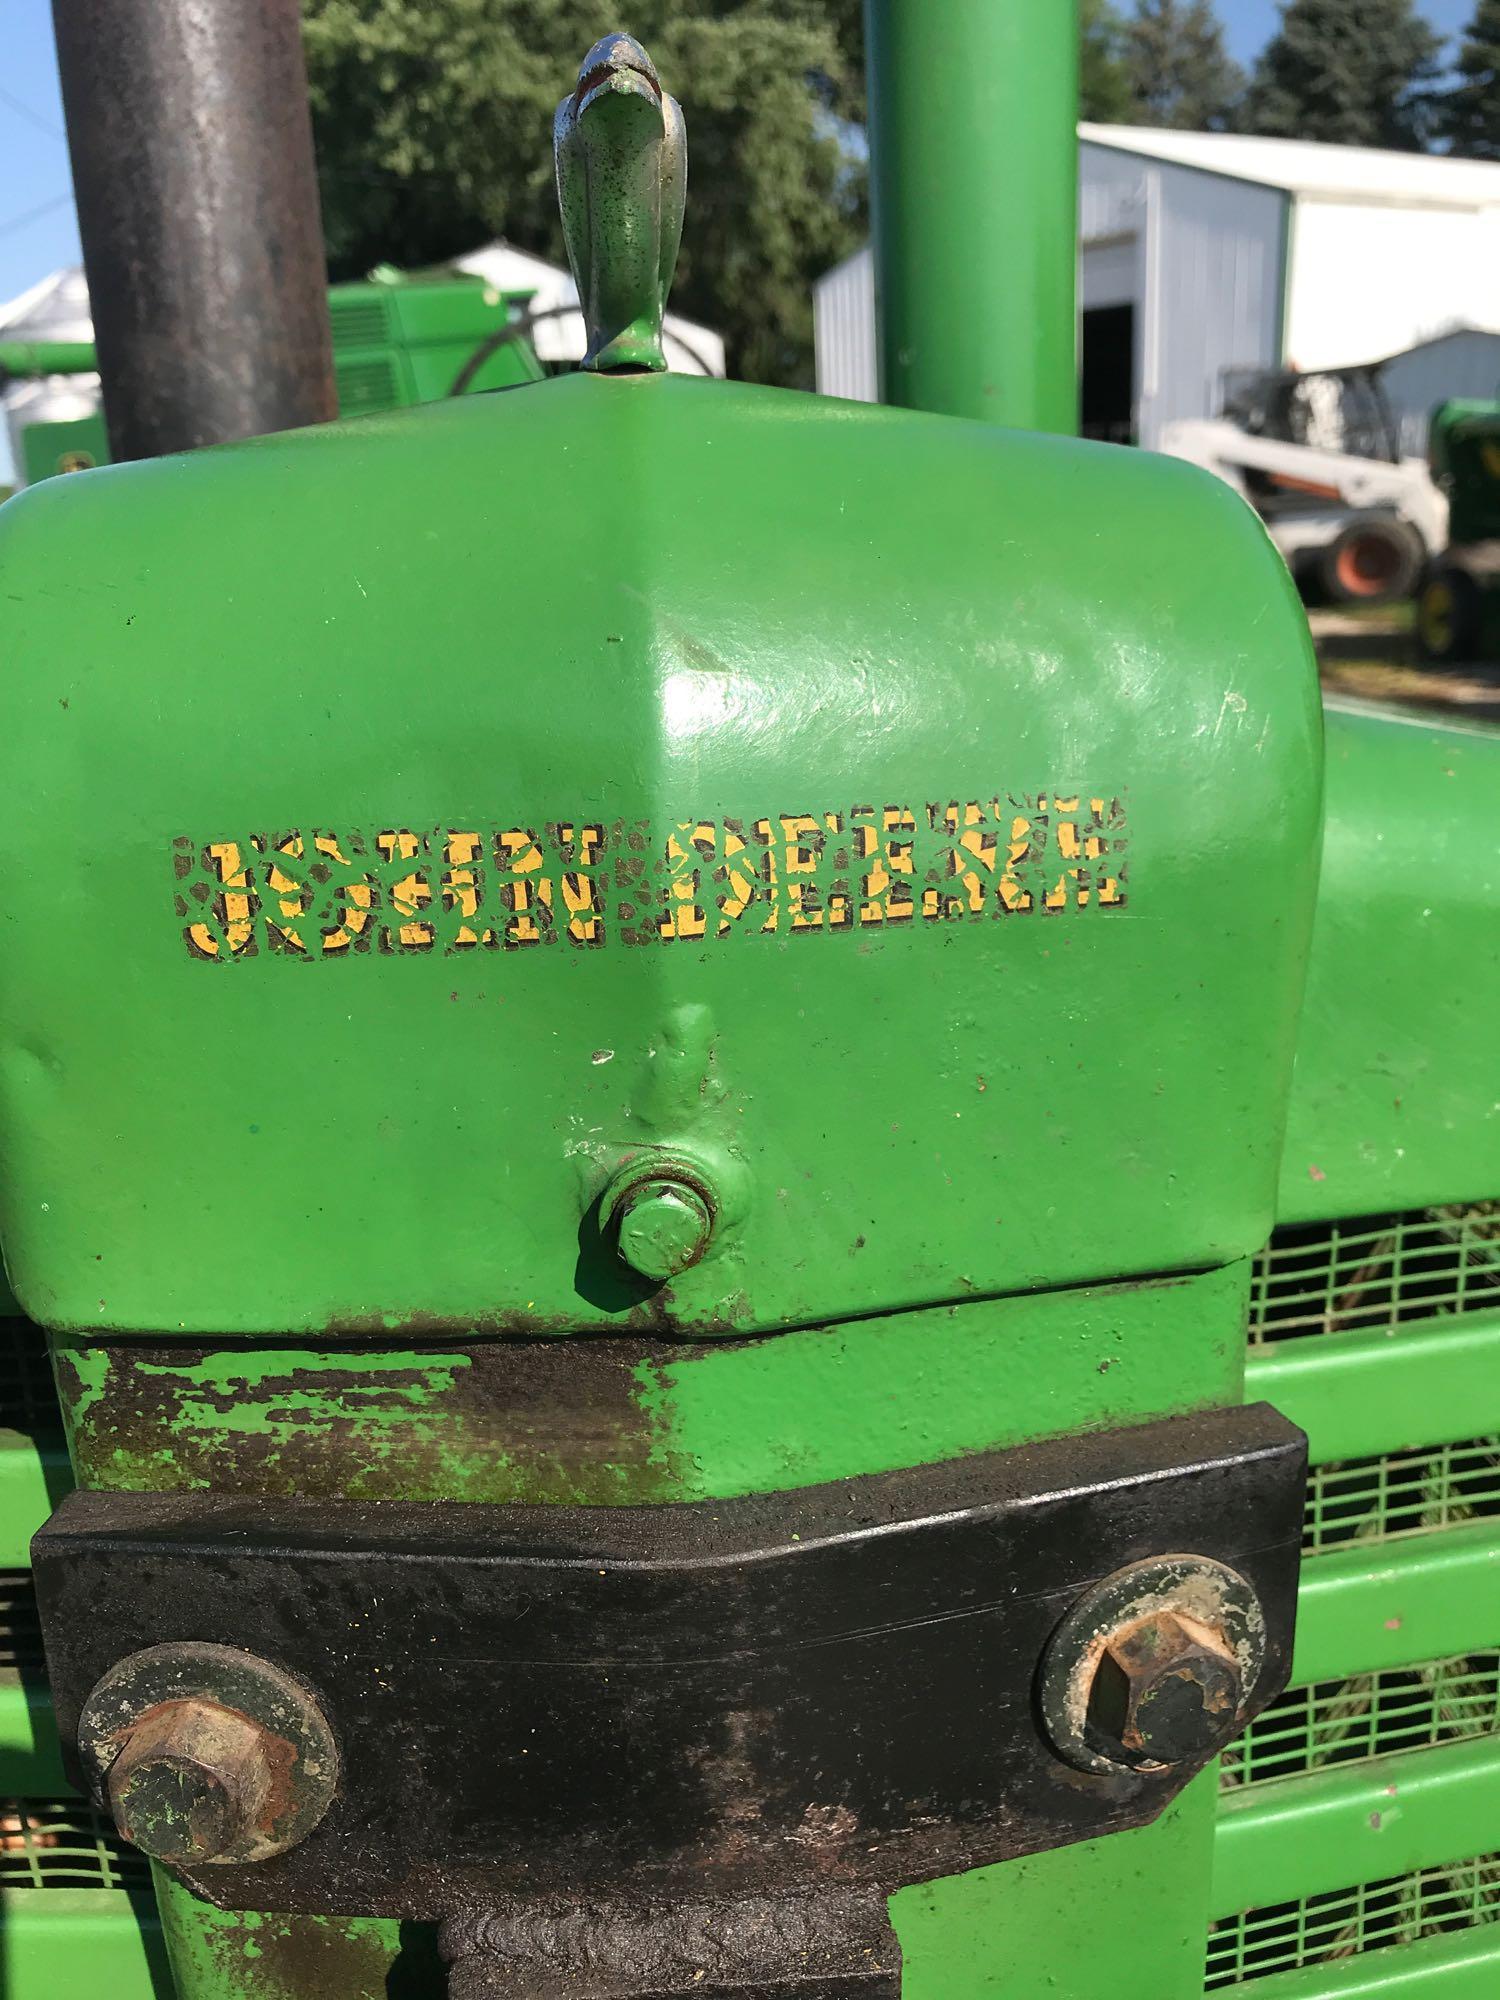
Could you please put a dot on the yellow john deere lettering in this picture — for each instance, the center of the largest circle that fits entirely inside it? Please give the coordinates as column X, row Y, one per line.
column 337, row 894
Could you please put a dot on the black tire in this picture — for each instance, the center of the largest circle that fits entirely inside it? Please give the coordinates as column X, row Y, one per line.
column 1450, row 613
column 1374, row 559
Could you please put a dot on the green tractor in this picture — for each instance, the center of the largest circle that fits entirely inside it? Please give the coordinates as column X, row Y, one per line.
column 397, row 340
column 770, row 1302
column 1456, row 606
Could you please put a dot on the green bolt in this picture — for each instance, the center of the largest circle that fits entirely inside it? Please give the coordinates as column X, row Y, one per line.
column 664, row 1225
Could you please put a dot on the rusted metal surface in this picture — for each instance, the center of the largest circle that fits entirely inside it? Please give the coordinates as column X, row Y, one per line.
column 192, row 153
column 817, row 1947
column 1168, row 1687
column 206, row 1755
column 722, row 1698
column 1186, row 1631
column 192, row 1778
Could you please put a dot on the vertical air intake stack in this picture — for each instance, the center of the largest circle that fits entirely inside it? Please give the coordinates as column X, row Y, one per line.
column 974, row 188
column 198, row 205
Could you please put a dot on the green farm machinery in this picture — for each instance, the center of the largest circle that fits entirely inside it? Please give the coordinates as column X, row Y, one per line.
column 671, row 1312
column 397, row 340
column 1456, row 607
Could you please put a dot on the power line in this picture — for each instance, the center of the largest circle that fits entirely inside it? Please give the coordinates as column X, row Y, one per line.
column 34, row 214
column 23, row 110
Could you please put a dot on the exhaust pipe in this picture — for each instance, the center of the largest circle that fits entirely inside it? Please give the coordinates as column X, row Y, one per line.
column 191, row 142
column 974, row 190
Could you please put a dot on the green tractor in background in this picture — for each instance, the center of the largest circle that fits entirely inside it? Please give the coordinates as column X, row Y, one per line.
column 1457, row 604
column 397, row 340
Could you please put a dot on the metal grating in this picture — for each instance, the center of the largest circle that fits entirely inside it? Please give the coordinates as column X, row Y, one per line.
column 365, row 387
column 63, row 1844
column 1402, row 1493
column 358, row 323
column 1345, row 1923
column 1374, row 1715
column 1376, row 1272
column 20, row 1629
column 28, row 1396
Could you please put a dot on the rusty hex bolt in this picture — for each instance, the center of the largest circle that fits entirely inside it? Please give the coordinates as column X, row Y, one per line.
column 663, row 1225
column 191, row 1778
column 1167, row 1689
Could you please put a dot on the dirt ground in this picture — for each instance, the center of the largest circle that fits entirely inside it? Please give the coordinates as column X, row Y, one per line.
column 1372, row 654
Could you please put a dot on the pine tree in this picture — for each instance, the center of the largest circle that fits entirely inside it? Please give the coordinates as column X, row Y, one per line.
column 1352, row 72
column 1469, row 116
column 1177, row 67
column 1103, row 87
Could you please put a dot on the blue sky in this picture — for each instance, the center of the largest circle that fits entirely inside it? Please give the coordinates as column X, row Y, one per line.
column 37, row 228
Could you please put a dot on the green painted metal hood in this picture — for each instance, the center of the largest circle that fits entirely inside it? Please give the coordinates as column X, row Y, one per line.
column 907, row 828
column 1396, row 1093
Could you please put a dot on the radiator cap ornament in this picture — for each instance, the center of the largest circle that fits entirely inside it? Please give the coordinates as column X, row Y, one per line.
column 621, row 153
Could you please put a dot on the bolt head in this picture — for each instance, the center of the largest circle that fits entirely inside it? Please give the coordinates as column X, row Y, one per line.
column 1167, row 1689
column 189, row 1781
column 176, row 1809
column 664, row 1226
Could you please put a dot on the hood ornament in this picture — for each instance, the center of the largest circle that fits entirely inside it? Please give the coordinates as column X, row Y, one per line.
column 621, row 151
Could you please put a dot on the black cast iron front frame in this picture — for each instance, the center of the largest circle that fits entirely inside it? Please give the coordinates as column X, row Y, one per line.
column 831, row 1685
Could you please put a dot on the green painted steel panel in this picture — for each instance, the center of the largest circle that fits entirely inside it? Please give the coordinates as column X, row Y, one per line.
column 34, row 1475
column 218, row 1955
column 1396, row 1092
column 920, row 1387
column 1061, row 1094
column 1428, row 1598
column 30, row 1760
column 1462, row 1967
column 1031, row 1929
column 79, row 1944
column 1359, row 1394
column 1356, row 1823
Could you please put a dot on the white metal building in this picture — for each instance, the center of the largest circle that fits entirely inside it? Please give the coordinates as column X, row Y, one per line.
column 56, row 309
column 1465, row 362
column 1204, row 253
column 690, row 349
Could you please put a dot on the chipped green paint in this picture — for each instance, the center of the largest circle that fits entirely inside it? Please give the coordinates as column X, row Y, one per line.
column 228, row 1381
column 489, row 1424
column 216, row 1952
column 511, row 1421
column 714, row 1420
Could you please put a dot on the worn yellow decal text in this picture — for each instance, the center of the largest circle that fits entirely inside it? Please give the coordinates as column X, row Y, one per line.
column 348, row 892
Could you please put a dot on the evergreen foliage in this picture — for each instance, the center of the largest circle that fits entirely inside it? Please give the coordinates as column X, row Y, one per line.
column 433, row 121
column 1469, row 116
column 1350, row 72
column 1177, row 69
